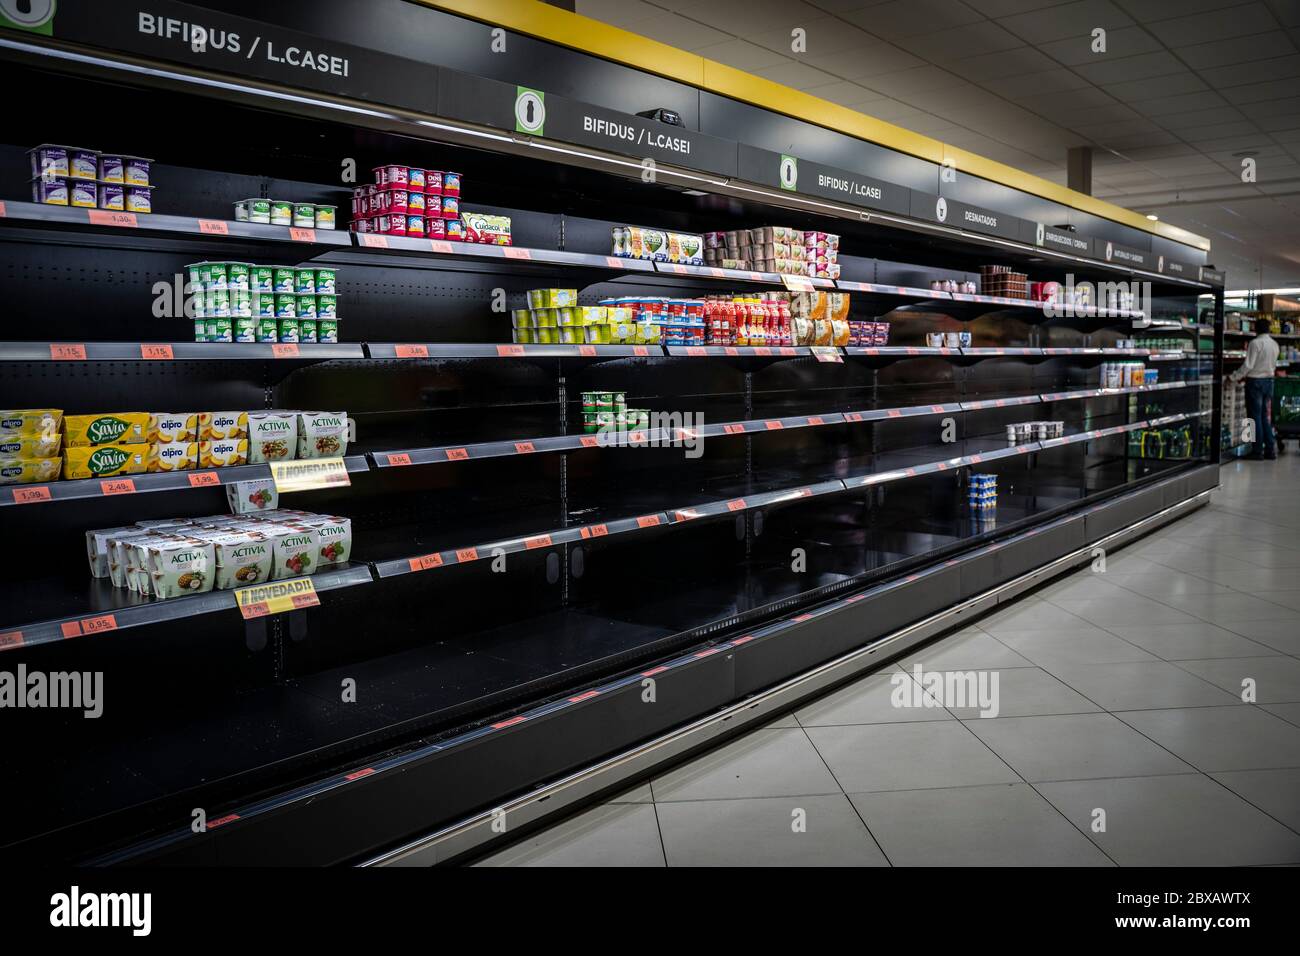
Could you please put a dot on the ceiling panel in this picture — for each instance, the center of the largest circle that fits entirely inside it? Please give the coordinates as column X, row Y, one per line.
column 907, row 18
column 1246, row 49
column 1214, row 25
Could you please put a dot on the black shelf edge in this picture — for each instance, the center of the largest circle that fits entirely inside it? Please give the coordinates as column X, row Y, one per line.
column 901, row 291
column 454, row 350
column 177, row 351
column 453, row 249
column 192, row 226
column 79, row 489
column 760, row 500
column 737, row 275
column 441, row 454
column 738, row 351
column 97, row 623
column 897, row 351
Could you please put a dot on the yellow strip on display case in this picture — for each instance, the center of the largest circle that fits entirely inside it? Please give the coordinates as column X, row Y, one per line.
column 537, row 19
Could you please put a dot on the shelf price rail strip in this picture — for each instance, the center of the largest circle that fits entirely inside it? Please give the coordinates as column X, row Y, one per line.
column 95, row 623
column 637, row 438
column 176, row 351
column 517, row 254
column 81, row 488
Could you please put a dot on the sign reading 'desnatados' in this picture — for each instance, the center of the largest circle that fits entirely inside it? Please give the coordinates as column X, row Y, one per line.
column 814, row 179
column 211, row 40
column 960, row 215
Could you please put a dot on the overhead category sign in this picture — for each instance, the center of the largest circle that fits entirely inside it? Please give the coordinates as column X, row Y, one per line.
column 210, row 40
column 1125, row 255
column 794, row 174
column 1063, row 240
column 960, row 215
column 533, row 111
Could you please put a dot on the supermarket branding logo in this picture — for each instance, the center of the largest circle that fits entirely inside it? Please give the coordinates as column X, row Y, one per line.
column 971, row 689
column 74, row 909
column 657, row 430
column 76, row 690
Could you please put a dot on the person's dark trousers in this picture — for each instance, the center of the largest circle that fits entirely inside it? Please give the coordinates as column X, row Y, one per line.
column 1259, row 399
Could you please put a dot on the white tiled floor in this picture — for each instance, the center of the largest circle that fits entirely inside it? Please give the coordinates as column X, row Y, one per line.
column 1122, row 736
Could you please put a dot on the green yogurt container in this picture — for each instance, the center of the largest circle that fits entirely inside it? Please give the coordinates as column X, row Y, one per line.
column 304, row 215
column 282, row 279
column 327, row 330
column 261, row 279
column 218, row 276
column 326, row 281
column 306, row 307
column 216, row 303
column 327, row 307
column 304, row 281
column 237, row 275
column 194, row 275
column 286, row 306
column 268, row 330
column 219, row 329
column 259, row 210
column 281, row 213
column 245, row 329
column 241, row 303
column 200, row 330
column 289, row 330
column 307, row 330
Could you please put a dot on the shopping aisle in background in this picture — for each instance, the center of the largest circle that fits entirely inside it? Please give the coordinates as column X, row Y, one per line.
column 1121, row 739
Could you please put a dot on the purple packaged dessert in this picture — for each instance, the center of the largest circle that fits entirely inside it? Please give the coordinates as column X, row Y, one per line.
column 110, row 168
column 135, row 170
column 139, row 199
column 83, row 164
column 48, row 160
column 81, row 192
column 112, row 196
column 51, row 190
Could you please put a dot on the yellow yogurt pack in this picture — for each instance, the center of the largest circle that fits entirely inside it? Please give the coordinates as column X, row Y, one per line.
column 173, row 427
column 173, row 455
column 220, row 426
column 23, row 471
column 119, row 428
column 30, row 421
column 220, row 454
column 22, row 447
column 105, row 461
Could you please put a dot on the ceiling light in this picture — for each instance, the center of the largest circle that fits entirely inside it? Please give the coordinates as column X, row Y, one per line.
column 1153, row 217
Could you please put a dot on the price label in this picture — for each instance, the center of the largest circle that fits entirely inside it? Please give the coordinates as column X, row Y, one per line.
column 372, row 240
column 731, row 350
column 696, row 350
column 937, row 409
column 204, row 479
column 614, row 262
column 307, row 473
column 2, row 210
column 396, row 461
column 647, row 521
column 596, row 531
column 852, row 417
column 276, row 597
column 89, row 625
column 895, row 413
column 213, row 227
column 411, row 351
column 302, row 235
column 67, row 352
column 539, row 541
column 512, row 252
column 31, row 495
column 734, row 429
column 510, row 351
column 426, row 561
column 588, row 441
column 464, row 555
column 773, row 426
column 636, row 438
column 11, row 638
column 827, row 353
column 103, row 217
column 457, row 454
column 815, row 420
column 681, row 270
column 736, row 504
column 437, row 245
column 118, row 486
column 797, row 283
column 156, row 352
column 586, row 350
column 524, row 448
column 716, row 272
column 762, row 350
column 640, row 350
column 285, row 350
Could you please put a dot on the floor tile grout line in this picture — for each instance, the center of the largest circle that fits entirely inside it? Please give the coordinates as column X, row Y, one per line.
column 844, row 793
column 659, row 828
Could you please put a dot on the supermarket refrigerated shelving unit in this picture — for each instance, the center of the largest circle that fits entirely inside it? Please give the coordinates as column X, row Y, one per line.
column 516, row 581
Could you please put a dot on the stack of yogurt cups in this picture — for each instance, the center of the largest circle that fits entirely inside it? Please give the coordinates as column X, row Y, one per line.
column 89, row 179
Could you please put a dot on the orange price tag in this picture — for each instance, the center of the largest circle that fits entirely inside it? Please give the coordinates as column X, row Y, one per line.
column 540, row 541
column 411, row 351
column 302, row 235
column 696, row 350
column 640, row 350
column 636, row 437
column 588, row 441
column 65, row 352
column 97, row 625
column 285, row 350
column 736, row 504
column 716, row 273
column 680, row 269
column 437, row 245
column 596, row 531
column 511, row 252
column 372, row 240
column 103, row 217
column 466, row 554
column 10, row 638
column 118, row 486
column 2, row 209
column 937, row 409
column 213, row 227
column 852, row 417
column 586, row 350
column 736, row 429
column 731, row 350
column 762, row 350
column 773, row 426
column 816, row 420
column 614, row 262
column 71, row 628
column 457, row 454
column 398, row 460
column 425, row 562
column 204, row 479
column 506, row 351
column 524, row 448
column 31, row 495
column 156, row 352
column 647, row 521
column 895, row 413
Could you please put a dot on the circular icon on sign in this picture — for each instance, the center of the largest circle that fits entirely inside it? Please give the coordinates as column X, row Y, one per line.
column 1160, row 264
column 1110, row 249
column 27, row 13
column 530, row 112
column 1040, row 235
column 789, row 172
column 941, row 210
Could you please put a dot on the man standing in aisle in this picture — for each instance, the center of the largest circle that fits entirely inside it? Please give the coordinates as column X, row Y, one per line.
column 1258, row 370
